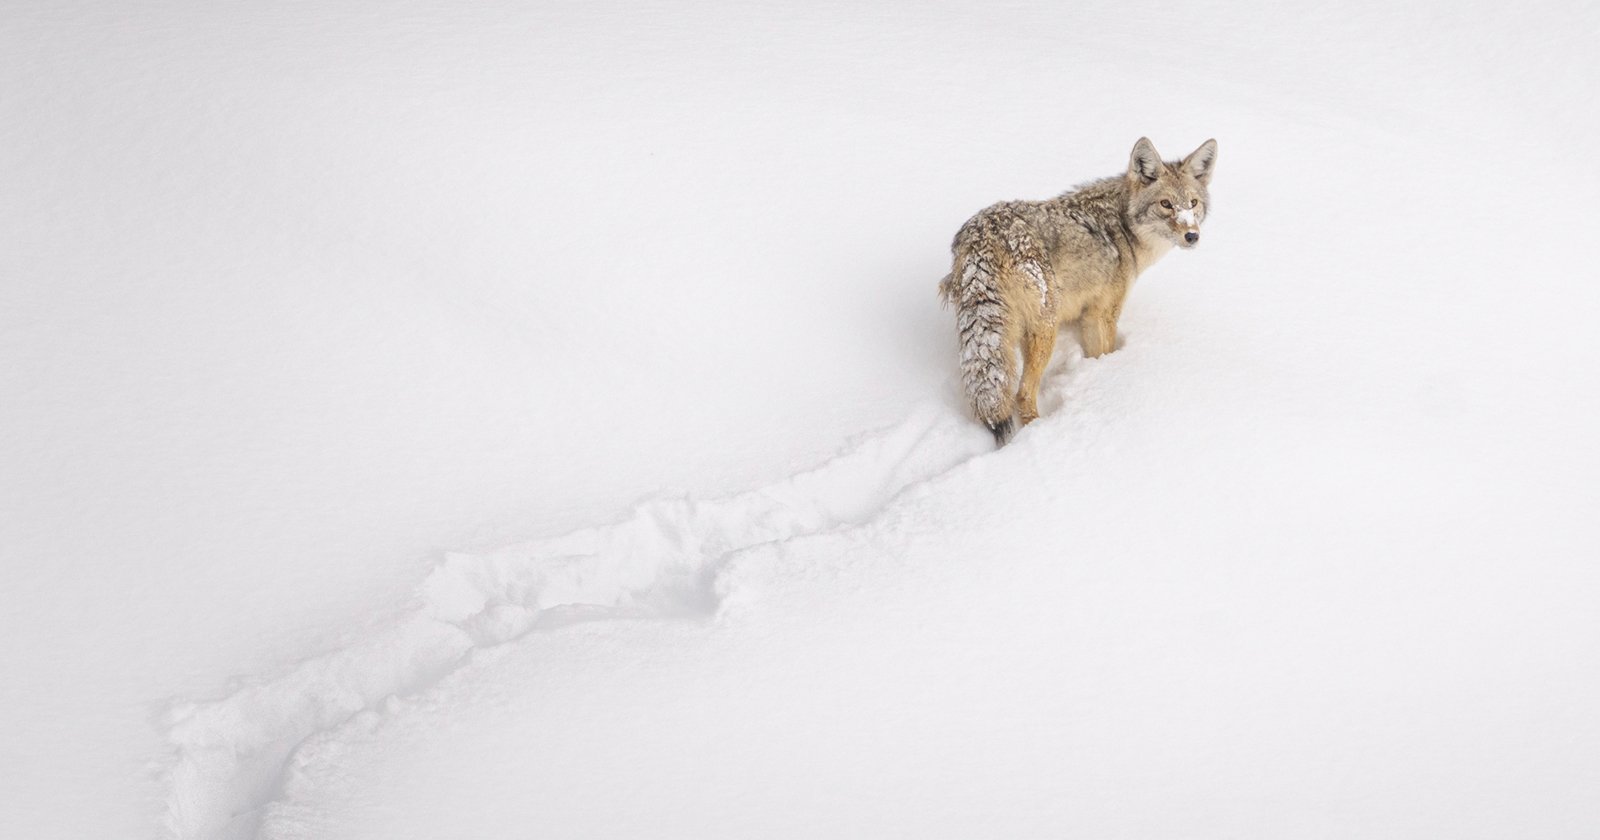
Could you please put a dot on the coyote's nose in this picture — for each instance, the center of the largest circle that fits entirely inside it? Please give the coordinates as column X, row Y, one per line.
column 1191, row 237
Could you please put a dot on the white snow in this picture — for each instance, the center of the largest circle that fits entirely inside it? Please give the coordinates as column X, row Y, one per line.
column 455, row 420
column 663, row 558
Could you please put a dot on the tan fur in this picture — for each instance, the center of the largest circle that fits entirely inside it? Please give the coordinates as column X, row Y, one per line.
column 1023, row 269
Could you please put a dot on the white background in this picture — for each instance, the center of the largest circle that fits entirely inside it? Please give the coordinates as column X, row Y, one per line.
column 294, row 301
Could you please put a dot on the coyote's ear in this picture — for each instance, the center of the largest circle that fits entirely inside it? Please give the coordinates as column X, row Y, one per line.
column 1144, row 164
column 1199, row 163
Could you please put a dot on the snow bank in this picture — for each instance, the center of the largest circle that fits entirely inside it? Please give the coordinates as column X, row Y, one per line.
column 662, row 559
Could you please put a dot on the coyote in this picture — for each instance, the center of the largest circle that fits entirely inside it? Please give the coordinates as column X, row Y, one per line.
column 1023, row 269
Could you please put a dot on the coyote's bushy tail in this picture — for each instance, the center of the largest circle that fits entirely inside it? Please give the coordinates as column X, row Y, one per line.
column 988, row 364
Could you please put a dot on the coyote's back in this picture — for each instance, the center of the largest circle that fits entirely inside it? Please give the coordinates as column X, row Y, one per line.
column 1023, row 269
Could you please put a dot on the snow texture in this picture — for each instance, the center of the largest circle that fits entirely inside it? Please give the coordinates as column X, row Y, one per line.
column 663, row 559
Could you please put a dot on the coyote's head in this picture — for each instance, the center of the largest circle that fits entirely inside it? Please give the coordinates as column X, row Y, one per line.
column 1168, row 200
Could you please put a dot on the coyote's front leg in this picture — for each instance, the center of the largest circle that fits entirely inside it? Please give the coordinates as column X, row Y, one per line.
column 1098, row 335
column 1098, row 331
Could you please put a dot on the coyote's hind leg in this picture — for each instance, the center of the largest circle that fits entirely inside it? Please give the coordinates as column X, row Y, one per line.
column 1037, row 346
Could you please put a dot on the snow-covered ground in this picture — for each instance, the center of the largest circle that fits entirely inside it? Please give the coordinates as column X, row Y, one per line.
column 480, row 419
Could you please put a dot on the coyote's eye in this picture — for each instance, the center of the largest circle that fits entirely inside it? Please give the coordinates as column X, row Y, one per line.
column 1194, row 202
column 1167, row 204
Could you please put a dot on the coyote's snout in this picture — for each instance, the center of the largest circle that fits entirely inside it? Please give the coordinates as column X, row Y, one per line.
column 1023, row 269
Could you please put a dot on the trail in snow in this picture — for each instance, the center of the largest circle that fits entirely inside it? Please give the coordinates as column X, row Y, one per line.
column 662, row 559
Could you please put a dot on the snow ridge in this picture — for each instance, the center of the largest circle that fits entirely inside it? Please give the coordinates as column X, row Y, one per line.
column 663, row 558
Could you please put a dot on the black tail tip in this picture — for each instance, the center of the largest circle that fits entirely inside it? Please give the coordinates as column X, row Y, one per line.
column 1003, row 431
